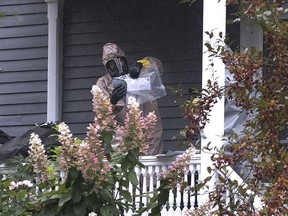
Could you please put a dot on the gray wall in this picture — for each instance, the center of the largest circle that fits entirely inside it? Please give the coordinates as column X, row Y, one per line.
column 23, row 59
column 162, row 28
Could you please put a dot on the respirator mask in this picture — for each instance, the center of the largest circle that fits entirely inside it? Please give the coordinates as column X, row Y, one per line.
column 117, row 66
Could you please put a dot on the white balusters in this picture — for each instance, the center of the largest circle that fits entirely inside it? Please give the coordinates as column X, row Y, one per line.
column 152, row 177
column 137, row 192
column 170, row 204
column 144, row 187
column 178, row 201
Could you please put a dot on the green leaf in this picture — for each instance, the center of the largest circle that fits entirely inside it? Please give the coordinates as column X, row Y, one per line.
column 71, row 176
column 132, row 177
column 163, row 197
column 126, row 195
column 126, row 165
column 209, row 169
column 7, row 182
column 65, row 198
column 56, row 196
column 92, row 201
column 209, row 47
column 107, row 196
column 80, row 208
column 117, row 158
column 131, row 156
column 105, row 211
column 48, row 210
column 21, row 194
column 76, row 191
column 20, row 210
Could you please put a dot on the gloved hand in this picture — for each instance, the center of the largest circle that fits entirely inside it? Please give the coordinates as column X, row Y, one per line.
column 135, row 70
column 118, row 93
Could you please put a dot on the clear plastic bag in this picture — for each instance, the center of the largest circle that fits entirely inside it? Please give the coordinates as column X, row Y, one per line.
column 147, row 87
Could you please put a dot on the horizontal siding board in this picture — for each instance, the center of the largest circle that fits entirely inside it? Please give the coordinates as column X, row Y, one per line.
column 17, row 120
column 23, row 31
column 192, row 65
column 24, row 20
column 88, row 71
column 23, row 98
column 20, row 2
column 23, row 87
column 26, row 8
column 24, row 54
column 74, row 106
column 24, row 65
column 88, row 27
column 78, row 117
column 80, row 61
column 81, row 83
column 173, row 123
column 78, row 95
column 8, row 77
column 82, row 49
column 170, row 112
column 23, row 108
column 181, row 77
column 25, row 42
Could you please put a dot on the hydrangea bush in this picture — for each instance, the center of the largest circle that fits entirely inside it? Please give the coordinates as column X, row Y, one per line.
column 88, row 177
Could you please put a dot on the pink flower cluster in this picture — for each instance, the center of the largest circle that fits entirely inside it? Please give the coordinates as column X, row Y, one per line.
column 137, row 129
column 91, row 155
column 93, row 165
column 69, row 148
column 175, row 172
column 38, row 156
column 103, row 109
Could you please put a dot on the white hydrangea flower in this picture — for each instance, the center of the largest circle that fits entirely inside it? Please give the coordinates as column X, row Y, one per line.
column 132, row 103
column 95, row 89
column 24, row 184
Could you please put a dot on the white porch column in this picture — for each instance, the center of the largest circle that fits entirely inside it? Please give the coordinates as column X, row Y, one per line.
column 54, row 89
column 214, row 18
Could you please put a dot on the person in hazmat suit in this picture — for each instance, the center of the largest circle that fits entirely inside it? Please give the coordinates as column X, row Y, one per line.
column 116, row 65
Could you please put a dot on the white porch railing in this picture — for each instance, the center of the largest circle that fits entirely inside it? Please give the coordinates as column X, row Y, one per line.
column 180, row 201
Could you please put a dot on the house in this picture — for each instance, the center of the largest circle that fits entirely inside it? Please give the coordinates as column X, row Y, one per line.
column 50, row 56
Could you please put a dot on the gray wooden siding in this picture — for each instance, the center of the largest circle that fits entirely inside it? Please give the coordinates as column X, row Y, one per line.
column 164, row 29
column 23, row 63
